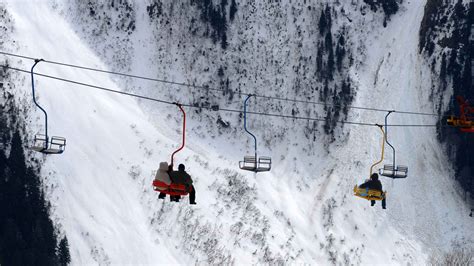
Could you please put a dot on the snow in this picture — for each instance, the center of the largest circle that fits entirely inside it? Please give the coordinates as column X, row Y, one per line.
column 302, row 211
column 96, row 200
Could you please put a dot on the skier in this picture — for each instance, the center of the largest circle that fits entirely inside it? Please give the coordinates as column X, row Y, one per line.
column 182, row 177
column 374, row 184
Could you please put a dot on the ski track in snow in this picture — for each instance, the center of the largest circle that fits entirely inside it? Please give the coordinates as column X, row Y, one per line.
column 100, row 187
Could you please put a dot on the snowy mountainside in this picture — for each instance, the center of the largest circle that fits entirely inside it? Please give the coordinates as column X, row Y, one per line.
column 447, row 43
column 303, row 210
column 179, row 44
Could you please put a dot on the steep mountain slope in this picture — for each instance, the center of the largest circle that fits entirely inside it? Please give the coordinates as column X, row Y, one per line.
column 302, row 211
column 447, row 42
column 397, row 77
column 101, row 207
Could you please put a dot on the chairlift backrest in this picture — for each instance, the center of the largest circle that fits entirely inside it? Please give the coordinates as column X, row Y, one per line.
column 399, row 171
column 250, row 163
column 264, row 163
column 250, row 159
column 54, row 146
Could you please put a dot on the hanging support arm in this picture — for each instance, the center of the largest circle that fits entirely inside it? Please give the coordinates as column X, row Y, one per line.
column 383, row 148
column 245, row 123
column 386, row 139
column 184, row 133
column 34, row 100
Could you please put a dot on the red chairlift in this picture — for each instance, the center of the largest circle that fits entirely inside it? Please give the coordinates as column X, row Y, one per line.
column 173, row 189
column 464, row 122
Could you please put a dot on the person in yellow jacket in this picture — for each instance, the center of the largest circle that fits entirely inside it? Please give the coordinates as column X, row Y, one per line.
column 374, row 184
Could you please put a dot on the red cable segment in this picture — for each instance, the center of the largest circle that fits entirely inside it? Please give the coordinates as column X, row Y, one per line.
column 184, row 134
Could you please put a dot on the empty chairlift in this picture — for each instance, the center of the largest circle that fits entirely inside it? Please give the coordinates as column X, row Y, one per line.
column 253, row 162
column 392, row 170
column 42, row 142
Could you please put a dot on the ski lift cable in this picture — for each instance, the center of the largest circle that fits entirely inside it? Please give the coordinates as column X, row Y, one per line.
column 215, row 89
column 211, row 108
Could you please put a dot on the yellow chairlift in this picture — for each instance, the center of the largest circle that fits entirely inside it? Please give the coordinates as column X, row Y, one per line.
column 372, row 194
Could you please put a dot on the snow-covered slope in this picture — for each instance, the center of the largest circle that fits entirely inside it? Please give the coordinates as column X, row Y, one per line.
column 302, row 211
column 95, row 200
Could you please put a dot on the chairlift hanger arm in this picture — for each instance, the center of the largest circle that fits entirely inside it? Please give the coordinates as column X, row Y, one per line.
column 184, row 133
column 36, row 103
column 383, row 148
column 245, row 123
column 386, row 137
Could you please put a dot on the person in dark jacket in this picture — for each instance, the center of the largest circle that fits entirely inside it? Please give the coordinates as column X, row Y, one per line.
column 374, row 184
column 181, row 177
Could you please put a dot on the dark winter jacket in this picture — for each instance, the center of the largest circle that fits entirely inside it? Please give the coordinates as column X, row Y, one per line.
column 181, row 177
column 372, row 184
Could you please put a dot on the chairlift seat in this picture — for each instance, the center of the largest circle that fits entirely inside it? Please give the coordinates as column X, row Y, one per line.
column 369, row 194
column 452, row 120
column 463, row 125
column 54, row 146
column 171, row 189
column 399, row 171
column 467, row 129
column 250, row 163
column 458, row 122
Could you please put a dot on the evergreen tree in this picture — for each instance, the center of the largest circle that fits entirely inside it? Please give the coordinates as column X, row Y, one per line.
column 63, row 252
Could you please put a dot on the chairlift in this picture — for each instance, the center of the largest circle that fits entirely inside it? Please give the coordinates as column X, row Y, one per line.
column 173, row 189
column 42, row 143
column 253, row 162
column 369, row 194
column 463, row 122
column 392, row 170
column 56, row 144
column 372, row 194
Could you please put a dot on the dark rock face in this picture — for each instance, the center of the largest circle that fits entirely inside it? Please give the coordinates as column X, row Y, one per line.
column 444, row 40
column 389, row 7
